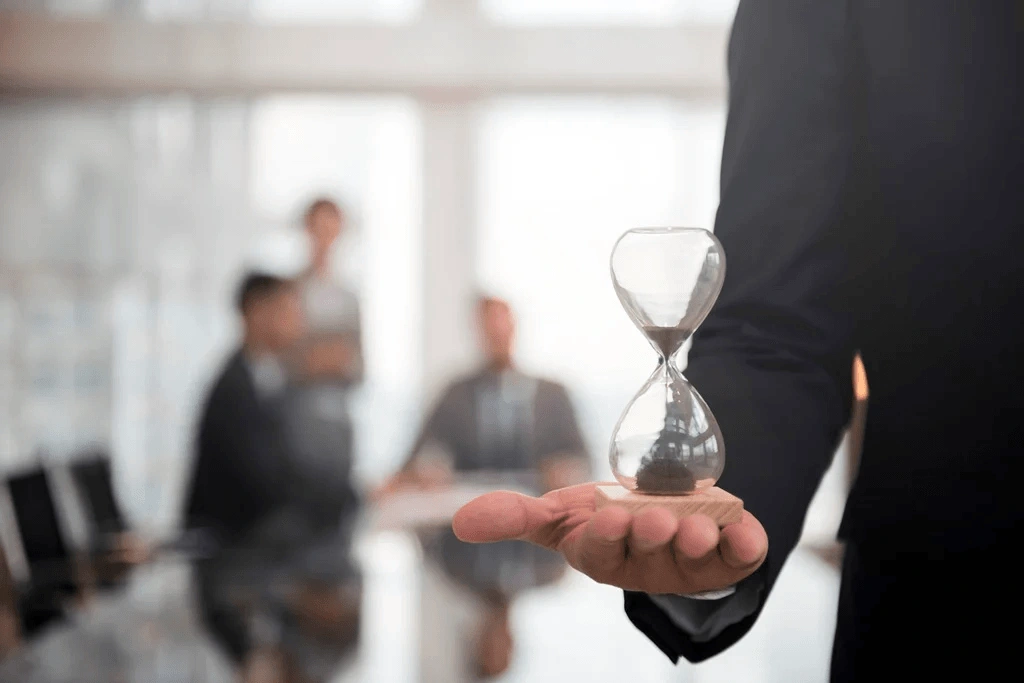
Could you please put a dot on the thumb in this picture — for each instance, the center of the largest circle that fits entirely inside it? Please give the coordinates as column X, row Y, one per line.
column 501, row 516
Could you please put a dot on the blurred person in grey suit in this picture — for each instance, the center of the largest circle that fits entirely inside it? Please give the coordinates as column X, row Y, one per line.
column 498, row 419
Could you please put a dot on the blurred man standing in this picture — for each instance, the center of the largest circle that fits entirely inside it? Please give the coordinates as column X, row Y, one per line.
column 497, row 420
column 332, row 352
column 326, row 368
column 327, row 363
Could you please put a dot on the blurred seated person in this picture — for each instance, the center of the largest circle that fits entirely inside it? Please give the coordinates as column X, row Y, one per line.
column 498, row 419
column 281, row 595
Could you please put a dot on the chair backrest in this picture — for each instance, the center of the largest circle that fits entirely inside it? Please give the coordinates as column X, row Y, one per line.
column 38, row 520
column 49, row 563
column 93, row 479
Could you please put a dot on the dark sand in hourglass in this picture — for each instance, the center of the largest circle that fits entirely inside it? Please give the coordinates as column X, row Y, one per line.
column 660, row 472
column 660, row 475
column 667, row 339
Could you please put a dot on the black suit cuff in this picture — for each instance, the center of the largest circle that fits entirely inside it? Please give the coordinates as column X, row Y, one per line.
column 660, row 628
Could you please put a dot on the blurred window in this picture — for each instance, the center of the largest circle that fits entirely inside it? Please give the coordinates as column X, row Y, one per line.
column 609, row 11
column 124, row 226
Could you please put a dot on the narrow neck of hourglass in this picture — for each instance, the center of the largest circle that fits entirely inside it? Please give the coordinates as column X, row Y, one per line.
column 670, row 362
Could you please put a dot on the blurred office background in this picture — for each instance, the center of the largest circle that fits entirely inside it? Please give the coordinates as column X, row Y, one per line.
column 148, row 146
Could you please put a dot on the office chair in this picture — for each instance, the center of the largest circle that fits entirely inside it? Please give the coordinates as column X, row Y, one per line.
column 92, row 476
column 94, row 482
column 51, row 564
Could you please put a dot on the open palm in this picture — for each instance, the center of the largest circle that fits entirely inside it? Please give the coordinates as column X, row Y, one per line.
column 651, row 551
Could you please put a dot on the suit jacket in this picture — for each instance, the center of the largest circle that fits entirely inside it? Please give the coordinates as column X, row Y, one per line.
column 241, row 472
column 254, row 469
column 455, row 423
column 872, row 200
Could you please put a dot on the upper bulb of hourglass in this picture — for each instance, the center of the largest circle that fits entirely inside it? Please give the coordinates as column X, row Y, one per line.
column 667, row 441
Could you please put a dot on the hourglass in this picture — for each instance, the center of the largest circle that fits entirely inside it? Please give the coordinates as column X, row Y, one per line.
column 667, row 449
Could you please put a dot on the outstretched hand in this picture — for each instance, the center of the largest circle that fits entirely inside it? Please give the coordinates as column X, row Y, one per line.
column 651, row 551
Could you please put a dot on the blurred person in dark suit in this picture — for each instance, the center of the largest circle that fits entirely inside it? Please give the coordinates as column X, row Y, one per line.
column 871, row 202
column 497, row 420
column 242, row 451
column 281, row 596
column 242, row 463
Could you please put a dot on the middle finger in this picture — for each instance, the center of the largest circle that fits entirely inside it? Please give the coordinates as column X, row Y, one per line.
column 652, row 530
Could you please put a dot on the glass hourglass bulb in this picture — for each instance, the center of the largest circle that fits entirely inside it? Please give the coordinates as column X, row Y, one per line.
column 667, row 441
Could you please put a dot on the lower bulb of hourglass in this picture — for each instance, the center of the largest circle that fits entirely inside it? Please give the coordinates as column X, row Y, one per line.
column 667, row 441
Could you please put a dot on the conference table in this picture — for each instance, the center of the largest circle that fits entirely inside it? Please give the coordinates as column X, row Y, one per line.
column 150, row 631
column 444, row 614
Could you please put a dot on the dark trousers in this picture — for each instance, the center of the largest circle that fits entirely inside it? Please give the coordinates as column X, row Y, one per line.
column 926, row 616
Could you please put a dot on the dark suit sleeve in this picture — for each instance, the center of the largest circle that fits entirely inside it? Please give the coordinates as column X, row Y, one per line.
column 773, row 360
